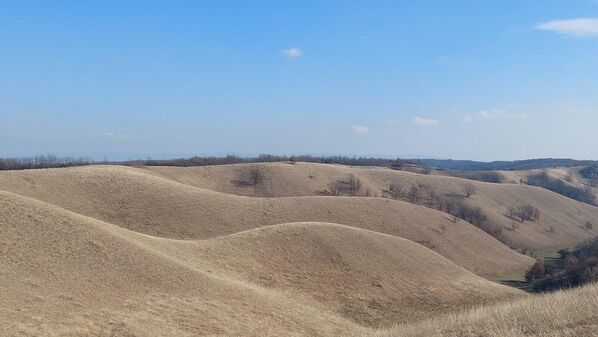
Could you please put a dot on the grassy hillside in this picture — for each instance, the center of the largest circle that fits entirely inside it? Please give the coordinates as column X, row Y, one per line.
column 146, row 203
column 372, row 278
column 67, row 274
column 64, row 274
column 561, row 223
column 565, row 313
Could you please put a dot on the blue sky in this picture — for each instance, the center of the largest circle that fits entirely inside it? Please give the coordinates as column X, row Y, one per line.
column 449, row 79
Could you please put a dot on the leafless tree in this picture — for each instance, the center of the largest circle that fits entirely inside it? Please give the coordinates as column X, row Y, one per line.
column 511, row 212
column 527, row 213
column 354, row 184
column 396, row 191
column 415, row 194
column 335, row 188
column 469, row 190
column 249, row 177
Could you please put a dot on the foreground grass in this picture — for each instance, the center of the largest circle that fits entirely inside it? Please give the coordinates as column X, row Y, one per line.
column 564, row 313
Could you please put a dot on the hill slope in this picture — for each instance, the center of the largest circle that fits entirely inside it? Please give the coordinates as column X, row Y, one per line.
column 66, row 274
column 561, row 223
column 372, row 278
column 145, row 203
column 63, row 274
column 566, row 313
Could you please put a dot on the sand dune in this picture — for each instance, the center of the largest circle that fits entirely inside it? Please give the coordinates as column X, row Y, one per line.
column 67, row 274
column 145, row 203
column 561, row 224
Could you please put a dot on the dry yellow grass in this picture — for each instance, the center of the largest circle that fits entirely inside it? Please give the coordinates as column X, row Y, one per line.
column 371, row 278
column 121, row 251
column 561, row 224
column 145, row 203
column 565, row 313
column 67, row 274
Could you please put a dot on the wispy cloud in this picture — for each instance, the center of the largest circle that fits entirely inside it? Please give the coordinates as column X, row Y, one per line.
column 468, row 119
column 502, row 114
column 293, row 52
column 113, row 135
column 583, row 27
column 360, row 130
column 425, row 121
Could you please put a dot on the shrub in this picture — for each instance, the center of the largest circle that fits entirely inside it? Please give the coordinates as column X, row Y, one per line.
column 345, row 186
column 395, row 190
column 536, row 272
column 526, row 212
column 415, row 194
column 249, row 177
column 577, row 267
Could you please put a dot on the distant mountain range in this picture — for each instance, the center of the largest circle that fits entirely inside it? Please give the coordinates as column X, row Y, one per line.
column 528, row 164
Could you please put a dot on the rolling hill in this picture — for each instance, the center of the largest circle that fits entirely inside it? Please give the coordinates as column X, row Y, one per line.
column 68, row 274
column 560, row 225
column 146, row 203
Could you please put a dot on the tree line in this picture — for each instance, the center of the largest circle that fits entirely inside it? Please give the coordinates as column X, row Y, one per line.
column 42, row 161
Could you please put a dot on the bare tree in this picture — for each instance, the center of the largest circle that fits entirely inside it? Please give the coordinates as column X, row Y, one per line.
column 335, row 188
column 249, row 177
column 347, row 186
column 469, row 190
column 396, row 191
column 415, row 194
column 527, row 213
column 511, row 212
column 432, row 198
column 354, row 184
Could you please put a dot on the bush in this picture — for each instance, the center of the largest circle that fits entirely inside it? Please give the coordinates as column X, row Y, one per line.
column 471, row 214
column 249, row 177
column 526, row 212
column 577, row 267
column 351, row 185
column 395, row 191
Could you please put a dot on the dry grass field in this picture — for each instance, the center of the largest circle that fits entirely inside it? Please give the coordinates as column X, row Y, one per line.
column 162, row 251
column 560, row 225
column 565, row 313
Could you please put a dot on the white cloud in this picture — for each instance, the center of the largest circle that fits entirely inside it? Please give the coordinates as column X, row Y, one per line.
column 113, row 135
column 584, row 27
column 502, row 114
column 425, row 121
column 293, row 52
column 360, row 130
